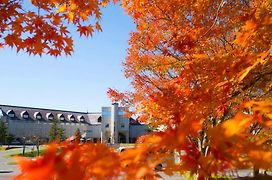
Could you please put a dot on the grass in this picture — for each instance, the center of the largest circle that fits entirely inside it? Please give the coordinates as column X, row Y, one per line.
column 30, row 153
column 7, row 148
column 12, row 163
column 189, row 176
column 2, row 148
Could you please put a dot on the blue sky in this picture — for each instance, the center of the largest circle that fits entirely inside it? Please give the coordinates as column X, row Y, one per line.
column 79, row 82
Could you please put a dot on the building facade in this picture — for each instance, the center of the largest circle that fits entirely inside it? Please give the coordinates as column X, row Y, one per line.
column 108, row 126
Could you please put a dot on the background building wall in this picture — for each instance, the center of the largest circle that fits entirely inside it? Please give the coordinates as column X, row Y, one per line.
column 137, row 131
column 109, row 126
column 21, row 128
column 123, row 125
column 105, row 124
column 71, row 128
column 94, row 131
column 114, row 123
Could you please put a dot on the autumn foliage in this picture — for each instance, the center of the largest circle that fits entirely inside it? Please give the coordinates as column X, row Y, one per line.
column 42, row 26
column 201, row 72
column 201, row 75
column 72, row 161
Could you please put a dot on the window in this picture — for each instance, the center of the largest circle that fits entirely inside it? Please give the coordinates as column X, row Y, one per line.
column 11, row 114
column 50, row 116
column 72, row 118
column 122, row 125
column 81, row 118
column 99, row 119
column 106, row 113
column 61, row 117
column 120, row 113
column 25, row 115
column 107, row 125
column 38, row 115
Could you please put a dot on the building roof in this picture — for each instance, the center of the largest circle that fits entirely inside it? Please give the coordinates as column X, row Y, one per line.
column 90, row 118
column 134, row 122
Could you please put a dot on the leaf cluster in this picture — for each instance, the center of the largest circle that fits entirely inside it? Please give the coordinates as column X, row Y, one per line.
column 44, row 27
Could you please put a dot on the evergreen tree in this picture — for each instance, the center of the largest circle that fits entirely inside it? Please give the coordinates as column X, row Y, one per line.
column 10, row 138
column 56, row 133
column 78, row 134
column 3, row 132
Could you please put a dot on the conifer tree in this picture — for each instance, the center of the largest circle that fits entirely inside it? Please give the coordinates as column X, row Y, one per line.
column 56, row 133
column 3, row 133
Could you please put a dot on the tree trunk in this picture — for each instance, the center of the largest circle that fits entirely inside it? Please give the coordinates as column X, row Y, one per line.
column 24, row 149
column 38, row 148
column 256, row 171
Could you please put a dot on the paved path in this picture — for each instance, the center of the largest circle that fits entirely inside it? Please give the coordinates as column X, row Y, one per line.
column 7, row 171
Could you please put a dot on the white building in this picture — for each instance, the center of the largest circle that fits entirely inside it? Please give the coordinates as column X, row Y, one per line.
column 115, row 125
column 108, row 126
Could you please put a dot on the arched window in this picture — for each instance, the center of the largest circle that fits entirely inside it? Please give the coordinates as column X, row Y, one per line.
column 50, row 116
column 38, row 115
column 24, row 115
column 81, row 118
column 61, row 117
column 72, row 118
column 11, row 113
column 99, row 119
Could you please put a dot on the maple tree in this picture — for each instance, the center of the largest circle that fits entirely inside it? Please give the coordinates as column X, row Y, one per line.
column 44, row 26
column 201, row 73
column 71, row 161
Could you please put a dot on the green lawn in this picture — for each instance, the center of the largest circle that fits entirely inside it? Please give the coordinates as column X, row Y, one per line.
column 2, row 148
column 12, row 163
column 7, row 148
column 30, row 153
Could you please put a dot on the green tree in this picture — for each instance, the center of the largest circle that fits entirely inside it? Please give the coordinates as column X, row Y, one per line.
column 3, row 133
column 10, row 138
column 56, row 133
column 78, row 134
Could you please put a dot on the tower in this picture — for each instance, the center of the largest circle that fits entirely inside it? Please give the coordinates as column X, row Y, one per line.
column 114, row 123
